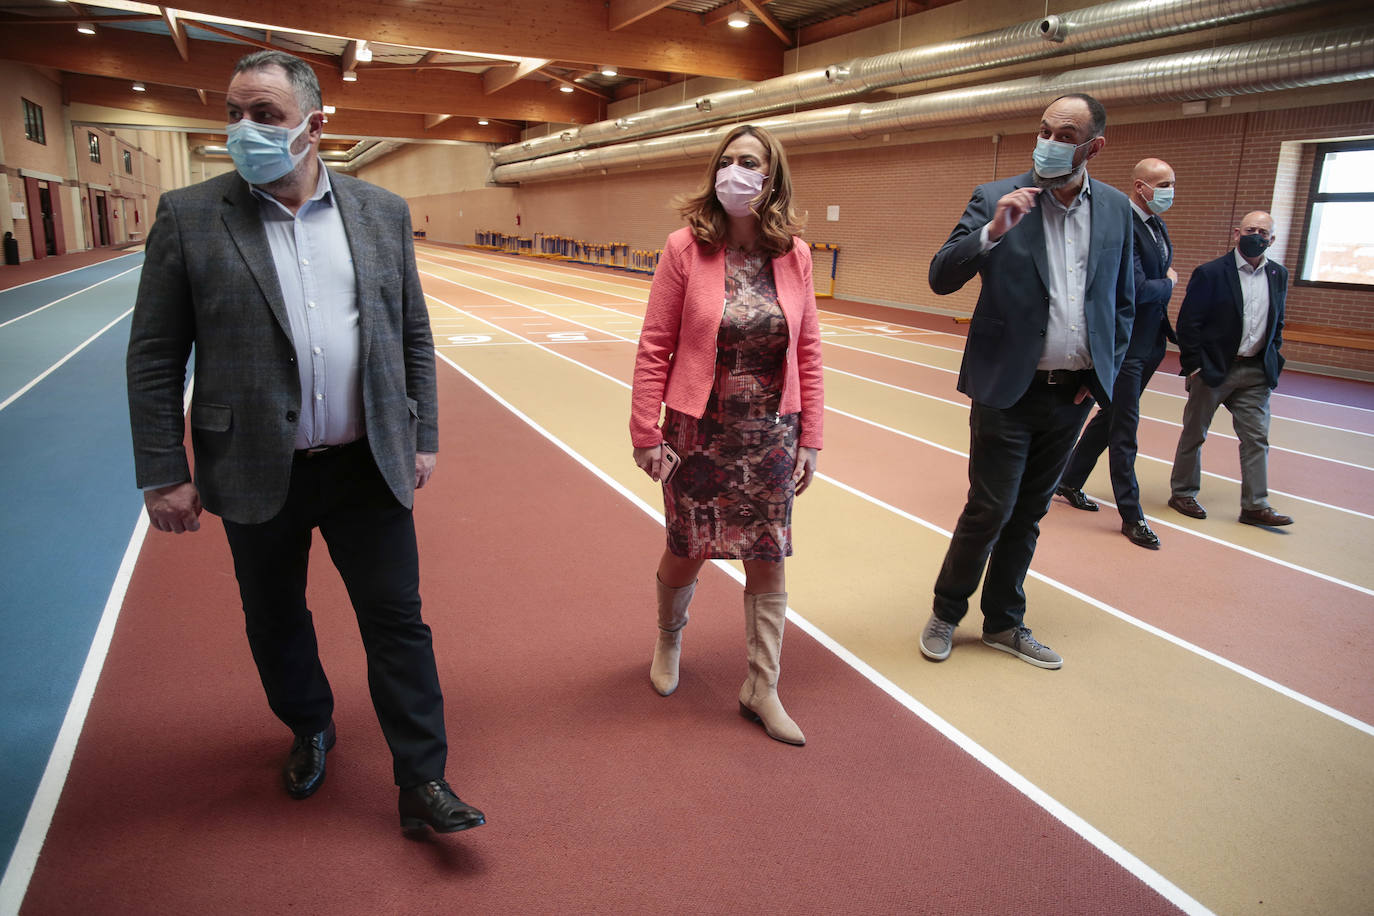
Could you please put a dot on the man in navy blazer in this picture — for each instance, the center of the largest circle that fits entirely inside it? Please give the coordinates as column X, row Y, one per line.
column 1114, row 426
column 1053, row 250
column 313, row 406
column 1230, row 333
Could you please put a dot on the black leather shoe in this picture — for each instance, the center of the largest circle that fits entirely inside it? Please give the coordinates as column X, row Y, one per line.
column 304, row 770
column 1265, row 518
column 1188, row 506
column 434, row 805
column 1076, row 498
column 1140, row 534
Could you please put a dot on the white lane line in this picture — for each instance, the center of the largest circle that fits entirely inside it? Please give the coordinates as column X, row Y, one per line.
column 638, row 294
column 72, row 271
column 66, row 297
column 1059, row 811
column 24, row 859
column 53, row 368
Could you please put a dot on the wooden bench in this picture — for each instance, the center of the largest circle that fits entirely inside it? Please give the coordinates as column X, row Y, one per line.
column 1349, row 338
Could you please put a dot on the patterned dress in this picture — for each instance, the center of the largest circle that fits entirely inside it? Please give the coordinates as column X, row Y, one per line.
column 732, row 496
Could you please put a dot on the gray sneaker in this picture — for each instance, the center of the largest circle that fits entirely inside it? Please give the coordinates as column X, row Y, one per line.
column 1018, row 641
column 937, row 639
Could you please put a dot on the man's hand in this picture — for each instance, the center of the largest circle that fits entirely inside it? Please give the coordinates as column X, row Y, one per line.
column 175, row 508
column 1173, row 276
column 1010, row 209
column 424, row 467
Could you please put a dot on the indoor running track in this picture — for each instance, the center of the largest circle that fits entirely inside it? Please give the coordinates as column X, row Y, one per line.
column 1207, row 744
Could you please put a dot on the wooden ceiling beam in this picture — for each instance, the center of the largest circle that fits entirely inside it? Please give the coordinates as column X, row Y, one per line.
column 572, row 30
column 771, row 24
column 498, row 78
column 178, row 31
column 212, row 63
column 563, row 80
column 621, row 13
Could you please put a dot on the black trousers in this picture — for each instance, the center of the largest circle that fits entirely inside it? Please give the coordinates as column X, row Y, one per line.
column 371, row 540
column 1016, row 456
column 1115, row 430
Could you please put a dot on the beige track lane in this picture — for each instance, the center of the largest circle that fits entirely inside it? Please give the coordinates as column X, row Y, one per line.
column 1197, row 770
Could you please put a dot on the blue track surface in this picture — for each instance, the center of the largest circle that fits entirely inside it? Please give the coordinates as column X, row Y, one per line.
column 67, row 484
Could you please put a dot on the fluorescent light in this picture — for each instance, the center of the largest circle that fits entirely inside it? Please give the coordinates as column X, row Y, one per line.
column 483, row 122
column 738, row 20
column 350, row 76
column 139, row 87
column 609, row 70
column 85, row 28
column 565, row 88
column 328, row 109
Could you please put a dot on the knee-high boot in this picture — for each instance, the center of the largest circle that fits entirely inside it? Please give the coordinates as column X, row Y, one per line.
column 672, row 617
column 764, row 617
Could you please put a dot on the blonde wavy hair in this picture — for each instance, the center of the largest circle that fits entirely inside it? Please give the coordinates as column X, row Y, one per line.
column 778, row 222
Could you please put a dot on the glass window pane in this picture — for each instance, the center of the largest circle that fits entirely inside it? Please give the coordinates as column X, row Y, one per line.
column 1348, row 172
column 1340, row 243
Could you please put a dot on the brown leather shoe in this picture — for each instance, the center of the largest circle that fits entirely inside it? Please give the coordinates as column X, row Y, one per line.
column 1188, row 506
column 1265, row 518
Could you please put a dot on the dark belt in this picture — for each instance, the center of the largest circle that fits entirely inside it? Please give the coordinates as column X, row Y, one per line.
column 321, row 451
column 1058, row 377
column 1250, row 359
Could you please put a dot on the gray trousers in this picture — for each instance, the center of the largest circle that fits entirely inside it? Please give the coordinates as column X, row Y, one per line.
column 1245, row 392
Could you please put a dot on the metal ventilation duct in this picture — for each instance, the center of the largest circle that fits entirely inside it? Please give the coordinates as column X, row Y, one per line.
column 1114, row 23
column 1259, row 66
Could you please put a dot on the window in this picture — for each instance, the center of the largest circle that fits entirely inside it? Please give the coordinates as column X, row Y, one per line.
column 128, row 162
column 1339, row 246
column 93, row 141
column 33, row 123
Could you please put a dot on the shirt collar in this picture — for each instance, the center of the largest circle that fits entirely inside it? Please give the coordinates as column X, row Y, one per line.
column 323, row 195
column 1244, row 265
column 1084, row 193
column 1145, row 215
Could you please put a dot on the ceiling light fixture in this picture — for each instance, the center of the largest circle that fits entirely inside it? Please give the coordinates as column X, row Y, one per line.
column 483, row 122
column 737, row 20
column 565, row 89
column 328, row 109
column 364, row 53
column 85, row 28
column 609, row 70
column 139, row 87
column 350, row 76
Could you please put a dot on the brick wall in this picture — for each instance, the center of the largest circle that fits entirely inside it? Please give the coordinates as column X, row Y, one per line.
column 898, row 202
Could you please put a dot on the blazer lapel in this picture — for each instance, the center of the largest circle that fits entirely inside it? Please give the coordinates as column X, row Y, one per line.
column 1033, row 227
column 1276, row 293
column 358, row 228
column 1095, row 202
column 239, row 212
column 1233, row 281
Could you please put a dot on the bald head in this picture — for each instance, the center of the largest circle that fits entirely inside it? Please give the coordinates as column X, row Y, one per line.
column 1148, row 176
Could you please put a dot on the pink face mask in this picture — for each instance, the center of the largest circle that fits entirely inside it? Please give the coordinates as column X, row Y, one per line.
column 737, row 188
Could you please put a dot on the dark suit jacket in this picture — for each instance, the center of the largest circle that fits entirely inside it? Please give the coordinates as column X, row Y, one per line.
column 209, row 280
column 1007, row 334
column 1152, row 293
column 1212, row 320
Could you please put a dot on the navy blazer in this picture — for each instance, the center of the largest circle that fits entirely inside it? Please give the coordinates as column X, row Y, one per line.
column 1212, row 320
column 1007, row 334
column 1153, row 289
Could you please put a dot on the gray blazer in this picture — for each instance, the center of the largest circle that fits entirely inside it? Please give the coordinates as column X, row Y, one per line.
column 209, row 281
column 1007, row 333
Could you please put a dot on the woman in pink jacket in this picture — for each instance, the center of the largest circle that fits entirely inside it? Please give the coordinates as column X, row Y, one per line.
column 731, row 345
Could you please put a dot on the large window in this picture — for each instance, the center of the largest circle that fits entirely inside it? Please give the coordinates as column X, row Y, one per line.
column 1339, row 246
column 33, row 123
column 93, row 142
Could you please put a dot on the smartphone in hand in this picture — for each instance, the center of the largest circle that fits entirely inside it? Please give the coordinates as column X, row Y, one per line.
column 670, row 462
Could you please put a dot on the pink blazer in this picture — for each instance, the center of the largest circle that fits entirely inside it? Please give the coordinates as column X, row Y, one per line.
column 676, row 361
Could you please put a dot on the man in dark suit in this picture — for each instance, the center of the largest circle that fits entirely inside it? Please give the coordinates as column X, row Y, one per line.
column 1230, row 333
column 1053, row 249
column 1114, row 426
column 313, row 405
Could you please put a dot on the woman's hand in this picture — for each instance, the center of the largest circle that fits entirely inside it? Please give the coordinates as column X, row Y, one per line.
column 650, row 460
column 805, row 469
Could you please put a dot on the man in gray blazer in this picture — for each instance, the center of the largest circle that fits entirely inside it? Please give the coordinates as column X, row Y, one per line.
column 1053, row 250
column 313, row 406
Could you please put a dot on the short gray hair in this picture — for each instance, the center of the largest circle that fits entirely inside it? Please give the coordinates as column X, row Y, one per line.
column 301, row 75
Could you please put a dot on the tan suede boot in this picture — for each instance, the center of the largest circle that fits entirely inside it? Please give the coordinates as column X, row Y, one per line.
column 764, row 617
column 672, row 617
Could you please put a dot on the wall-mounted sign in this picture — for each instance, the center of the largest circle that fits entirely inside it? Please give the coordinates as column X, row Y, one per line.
column 17, row 210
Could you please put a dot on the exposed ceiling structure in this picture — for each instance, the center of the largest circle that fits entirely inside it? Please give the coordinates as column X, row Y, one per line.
column 447, row 70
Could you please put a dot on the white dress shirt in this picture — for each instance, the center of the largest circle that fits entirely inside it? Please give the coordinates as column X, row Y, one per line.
column 1254, row 290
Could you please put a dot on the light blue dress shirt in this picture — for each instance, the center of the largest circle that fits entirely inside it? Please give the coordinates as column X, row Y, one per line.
column 1068, row 235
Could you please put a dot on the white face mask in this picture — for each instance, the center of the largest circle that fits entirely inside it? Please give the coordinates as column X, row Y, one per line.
column 737, row 188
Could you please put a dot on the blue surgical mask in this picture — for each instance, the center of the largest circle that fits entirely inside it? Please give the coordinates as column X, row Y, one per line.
column 262, row 152
column 1054, row 158
column 1163, row 200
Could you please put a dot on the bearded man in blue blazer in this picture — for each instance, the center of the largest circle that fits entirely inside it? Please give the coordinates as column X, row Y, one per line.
column 313, row 406
column 1053, row 250
column 1115, row 427
column 1230, row 332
